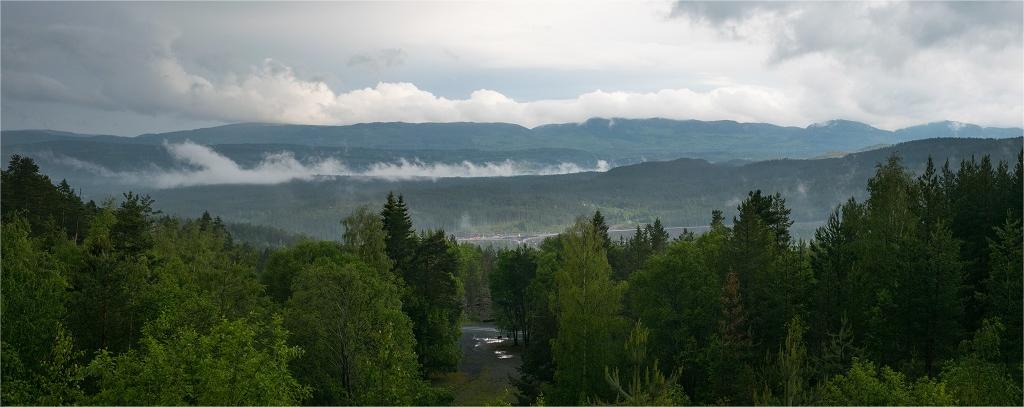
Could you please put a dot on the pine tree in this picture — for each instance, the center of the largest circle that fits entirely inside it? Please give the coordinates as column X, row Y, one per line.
column 833, row 259
column 647, row 386
column 602, row 229
column 717, row 220
column 731, row 372
column 1003, row 289
column 771, row 276
column 887, row 255
column 400, row 238
column 771, row 211
column 932, row 204
column 792, row 363
column 928, row 299
column 132, row 234
column 976, row 208
column 733, row 325
column 657, row 235
column 638, row 247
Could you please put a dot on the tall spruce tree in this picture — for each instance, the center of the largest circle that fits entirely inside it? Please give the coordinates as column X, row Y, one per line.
column 400, row 240
column 602, row 229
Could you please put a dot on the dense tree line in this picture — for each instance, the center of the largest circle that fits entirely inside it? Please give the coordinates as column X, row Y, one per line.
column 909, row 296
column 912, row 296
column 113, row 303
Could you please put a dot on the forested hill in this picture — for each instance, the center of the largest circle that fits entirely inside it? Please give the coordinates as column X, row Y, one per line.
column 908, row 296
column 612, row 139
column 681, row 192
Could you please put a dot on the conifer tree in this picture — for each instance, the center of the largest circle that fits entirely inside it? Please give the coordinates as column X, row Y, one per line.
column 657, row 236
column 1003, row 289
column 400, row 238
column 602, row 229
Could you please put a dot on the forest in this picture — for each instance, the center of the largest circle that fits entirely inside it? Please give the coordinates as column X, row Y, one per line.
column 681, row 192
column 910, row 295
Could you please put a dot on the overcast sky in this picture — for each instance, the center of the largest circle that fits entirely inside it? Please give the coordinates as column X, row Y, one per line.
column 126, row 68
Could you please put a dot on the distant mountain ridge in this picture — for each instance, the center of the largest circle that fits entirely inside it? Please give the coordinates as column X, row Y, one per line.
column 611, row 138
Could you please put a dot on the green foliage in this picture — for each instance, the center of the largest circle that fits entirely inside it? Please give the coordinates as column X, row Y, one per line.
column 31, row 195
column 538, row 366
column 587, row 306
column 1003, row 291
column 105, row 304
column 979, row 377
column 770, row 210
column 429, row 267
column 476, row 267
column 358, row 343
column 508, row 284
column 364, row 236
column 773, row 278
column 434, row 302
column 399, row 236
column 201, row 276
column 262, row 236
column 116, row 305
column 648, row 385
column 628, row 194
column 866, row 385
column 787, row 381
column 677, row 295
column 33, row 305
column 131, row 234
column 283, row 265
column 657, row 235
column 601, row 228
column 236, row 362
column 979, row 203
column 60, row 383
column 165, row 311
column 834, row 255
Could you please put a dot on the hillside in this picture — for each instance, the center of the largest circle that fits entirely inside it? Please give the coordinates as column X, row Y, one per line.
column 681, row 192
column 620, row 140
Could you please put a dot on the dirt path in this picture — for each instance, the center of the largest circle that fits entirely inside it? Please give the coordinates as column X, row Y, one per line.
column 487, row 362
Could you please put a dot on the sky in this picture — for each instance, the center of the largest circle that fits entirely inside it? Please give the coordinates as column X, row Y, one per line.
column 133, row 68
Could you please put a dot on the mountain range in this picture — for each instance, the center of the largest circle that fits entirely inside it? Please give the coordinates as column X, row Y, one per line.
column 675, row 170
column 680, row 192
column 617, row 140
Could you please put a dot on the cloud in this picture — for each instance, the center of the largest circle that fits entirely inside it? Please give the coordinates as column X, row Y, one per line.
column 385, row 58
column 207, row 167
column 405, row 169
column 877, row 32
column 201, row 165
column 273, row 93
column 891, row 64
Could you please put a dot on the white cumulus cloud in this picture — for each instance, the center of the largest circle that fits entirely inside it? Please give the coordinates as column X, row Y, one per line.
column 123, row 67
